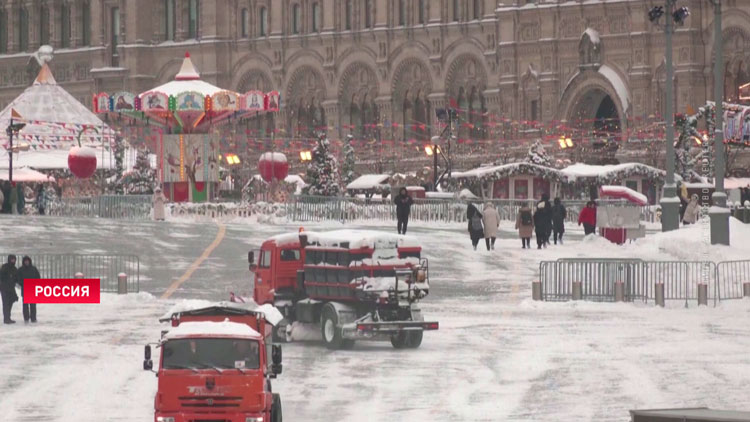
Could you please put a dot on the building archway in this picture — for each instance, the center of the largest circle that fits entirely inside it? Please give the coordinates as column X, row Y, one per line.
column 595, row 112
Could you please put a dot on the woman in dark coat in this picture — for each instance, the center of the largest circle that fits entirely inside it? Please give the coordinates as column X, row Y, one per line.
column 558, row 220
column 542, row 225
column 475, row 225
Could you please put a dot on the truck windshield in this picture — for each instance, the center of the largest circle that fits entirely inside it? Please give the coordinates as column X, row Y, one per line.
column 209, row 353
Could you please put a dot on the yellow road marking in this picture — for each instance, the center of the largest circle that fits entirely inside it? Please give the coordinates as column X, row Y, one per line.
column 194, row 266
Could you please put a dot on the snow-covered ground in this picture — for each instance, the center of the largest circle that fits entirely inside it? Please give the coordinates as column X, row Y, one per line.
column 498, row 356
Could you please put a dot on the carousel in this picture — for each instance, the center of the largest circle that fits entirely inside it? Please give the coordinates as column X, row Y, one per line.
column 185, row 111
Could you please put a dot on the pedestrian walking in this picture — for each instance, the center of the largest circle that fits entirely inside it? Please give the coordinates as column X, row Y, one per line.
column 13, row 198
column 476, row 227
column 692, row 211
column 6, row 188
column 21, row 203
column 491, row 222
column 525, row 226
column 41, row 200
column 541, row 225
column 548, row 215
column 587, row 217
column 403, row 208
column 25, row 272
column 158, row 202
column 8, row 287
column 558, row 220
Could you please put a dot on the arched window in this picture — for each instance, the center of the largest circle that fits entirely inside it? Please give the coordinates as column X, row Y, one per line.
column 456, row 11
column 86, row 24
column 477, row 9
column 243, row 22
column 3, row 32
column 368, row 14
column 421, row 11
column 263, row 24
column 348, row 17
column 194, row 18
column 402, row 12
column 296, row 18
column 64, row 26
column 23, row 29
column 169, row 13
column 44, row 25
column 315, row 17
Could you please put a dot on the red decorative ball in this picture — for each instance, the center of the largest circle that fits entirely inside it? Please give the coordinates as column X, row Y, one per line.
column 273, row 166
column 82, row 162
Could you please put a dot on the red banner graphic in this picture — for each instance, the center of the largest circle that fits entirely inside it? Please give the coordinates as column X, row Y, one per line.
column 61, row 290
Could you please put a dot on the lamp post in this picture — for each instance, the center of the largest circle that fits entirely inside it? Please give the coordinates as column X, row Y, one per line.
column 12, row 129
column 670, row 203
column 719, row 213
column 433, row 150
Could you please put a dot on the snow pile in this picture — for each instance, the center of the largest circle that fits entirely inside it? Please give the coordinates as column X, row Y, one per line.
column 270, row 313
column 208, row 328
column 361, row 239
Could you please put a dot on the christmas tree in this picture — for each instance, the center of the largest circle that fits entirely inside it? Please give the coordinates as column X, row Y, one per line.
column 537, row 155
column 119, row 150
column 322, row 172
column 141, row 179
column 347, row 170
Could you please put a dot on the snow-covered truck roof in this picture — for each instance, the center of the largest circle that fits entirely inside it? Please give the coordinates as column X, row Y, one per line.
column 355, row 239
column 224, row 328
column 369, row 181
column 204, row 307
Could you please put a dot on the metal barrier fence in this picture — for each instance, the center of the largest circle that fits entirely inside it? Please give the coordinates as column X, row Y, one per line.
column 321, row 208
column 680, row 279
column 104, row 267
column 105, row 206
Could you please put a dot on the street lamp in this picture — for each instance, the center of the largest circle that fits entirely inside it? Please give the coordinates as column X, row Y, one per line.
column 13, row 129
column 670, row 204
column 719, row 214
column 305, row 155
column 565, row 142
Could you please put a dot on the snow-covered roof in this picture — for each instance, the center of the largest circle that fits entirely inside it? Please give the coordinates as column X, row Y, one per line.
column 623, row 192
column 271, row 314
column 225, row 328
column 593, row 35
column 618, row 84
column 25, row 174
column 505, row 170
column 368, row 181
column 51, row 114
column 355, row 238
column 610, row 172
column 736, row 182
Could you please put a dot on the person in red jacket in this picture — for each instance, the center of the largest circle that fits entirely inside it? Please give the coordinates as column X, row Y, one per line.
column 587, row 217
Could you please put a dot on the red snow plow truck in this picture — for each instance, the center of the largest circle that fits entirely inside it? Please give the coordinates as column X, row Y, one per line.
column 353, row 285
column 216, row 364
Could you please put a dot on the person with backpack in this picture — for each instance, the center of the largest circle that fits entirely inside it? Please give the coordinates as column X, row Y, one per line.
column 491, row 221
column 548, row 215
column 558, row 220
column 403, row 208
column 476, row 228
column 541, row 225
column 525, row 226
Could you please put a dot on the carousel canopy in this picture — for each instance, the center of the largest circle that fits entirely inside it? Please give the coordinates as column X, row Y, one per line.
column 187, row 80
column 53, row 117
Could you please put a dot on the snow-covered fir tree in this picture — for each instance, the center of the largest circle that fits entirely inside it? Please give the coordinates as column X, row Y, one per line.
column 119, row 150
column 347, row 169
column 141, row 179
column 537, row 155
column 322, row 172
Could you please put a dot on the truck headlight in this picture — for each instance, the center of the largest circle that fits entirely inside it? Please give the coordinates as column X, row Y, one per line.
column 254, row 419
column 165, row 419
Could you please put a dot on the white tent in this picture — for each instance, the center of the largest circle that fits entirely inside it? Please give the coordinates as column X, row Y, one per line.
column 25, row 174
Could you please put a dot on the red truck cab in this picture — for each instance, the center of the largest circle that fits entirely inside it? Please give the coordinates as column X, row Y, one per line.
column 216, row 364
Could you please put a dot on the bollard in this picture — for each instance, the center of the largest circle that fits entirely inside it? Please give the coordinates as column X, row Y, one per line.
column 659, row 294
column 746, row 289
column 619, row 291
column 122, row 284
column 79, row 275
column 702, row 294
column 536, row 290
column 577, row 290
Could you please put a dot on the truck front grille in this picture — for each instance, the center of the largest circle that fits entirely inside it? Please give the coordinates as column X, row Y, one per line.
column 210, row 401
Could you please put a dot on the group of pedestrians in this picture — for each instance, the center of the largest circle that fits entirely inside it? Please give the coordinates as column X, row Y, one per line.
column 13, row 197
column 9, row 277
column 547, row 221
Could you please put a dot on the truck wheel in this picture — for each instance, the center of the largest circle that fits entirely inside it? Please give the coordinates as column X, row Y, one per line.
column 329, row 327
column 414, row 339
column 276, row 409
column 399, row 340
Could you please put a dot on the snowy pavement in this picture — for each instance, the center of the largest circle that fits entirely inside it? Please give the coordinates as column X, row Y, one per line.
column 498, row 356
